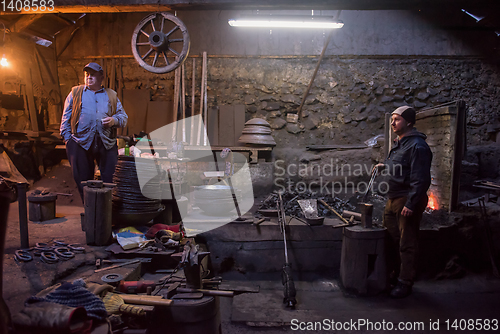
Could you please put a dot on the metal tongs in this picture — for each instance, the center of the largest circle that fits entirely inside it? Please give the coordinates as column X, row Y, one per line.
column 370, row 184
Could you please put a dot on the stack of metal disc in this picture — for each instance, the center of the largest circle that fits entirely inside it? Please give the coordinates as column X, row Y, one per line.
column 257, row 132
column 130, row 205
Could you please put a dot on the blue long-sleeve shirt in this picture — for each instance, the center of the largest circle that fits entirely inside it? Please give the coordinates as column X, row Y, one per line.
column 95, row 107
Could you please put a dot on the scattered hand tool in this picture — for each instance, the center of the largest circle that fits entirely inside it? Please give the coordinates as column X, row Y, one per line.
column 349, row 214
column 286, row 275
column 135, row 286
column 117, row 265
column 112, row 279
column 332, row 210
column 207, row 292
column 146, row 300
column 259, row 221
column 115, row 304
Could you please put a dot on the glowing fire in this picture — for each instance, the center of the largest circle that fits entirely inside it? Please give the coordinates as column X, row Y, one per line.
column 433, row 202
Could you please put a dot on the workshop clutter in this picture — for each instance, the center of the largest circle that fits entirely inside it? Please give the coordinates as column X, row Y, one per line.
column 180, row 295
column 130, row 206
column 139, row 236
column 257, row 131
column 293, row 208
column 216, row 199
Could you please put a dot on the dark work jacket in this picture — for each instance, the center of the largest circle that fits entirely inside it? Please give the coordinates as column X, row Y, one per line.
column 408, row 167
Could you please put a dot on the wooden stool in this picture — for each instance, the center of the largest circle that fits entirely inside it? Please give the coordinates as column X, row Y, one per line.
column 362, row 264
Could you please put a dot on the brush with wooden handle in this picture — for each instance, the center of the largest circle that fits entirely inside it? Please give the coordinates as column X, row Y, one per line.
column 114, row 304
column 146, row 300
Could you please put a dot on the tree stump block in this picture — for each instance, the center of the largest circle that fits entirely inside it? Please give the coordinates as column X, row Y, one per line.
column 362, row 263
column 97, row 218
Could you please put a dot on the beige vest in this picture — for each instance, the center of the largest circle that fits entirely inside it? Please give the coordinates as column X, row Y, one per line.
column 77, row 93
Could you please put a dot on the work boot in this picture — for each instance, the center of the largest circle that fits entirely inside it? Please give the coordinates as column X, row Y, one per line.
column 401, row 290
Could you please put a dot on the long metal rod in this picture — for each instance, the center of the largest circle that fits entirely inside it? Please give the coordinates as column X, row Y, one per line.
column 374, row 174
column 282, row 222
column 23, row 215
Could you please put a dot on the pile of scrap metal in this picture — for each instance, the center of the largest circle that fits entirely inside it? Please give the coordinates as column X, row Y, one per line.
column 292, row 207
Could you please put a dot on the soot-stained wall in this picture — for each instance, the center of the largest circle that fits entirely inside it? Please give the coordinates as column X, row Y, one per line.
column 380, row 60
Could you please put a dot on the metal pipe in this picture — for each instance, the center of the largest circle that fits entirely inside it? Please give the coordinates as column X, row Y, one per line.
column 23, row 215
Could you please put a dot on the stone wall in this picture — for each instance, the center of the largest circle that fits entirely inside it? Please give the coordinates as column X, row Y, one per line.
column 347, row 101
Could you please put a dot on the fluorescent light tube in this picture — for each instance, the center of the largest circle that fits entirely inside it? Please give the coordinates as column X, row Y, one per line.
column 277, row 21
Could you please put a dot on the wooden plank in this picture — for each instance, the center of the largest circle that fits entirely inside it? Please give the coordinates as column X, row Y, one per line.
column 177, row 83
column 239, row 121
column 387, row 135
column 135, row 102
column 106, row 8
column 226, row 126
column 205, row 109
column 31, row 106
column 193, row 108
column 460, row 144
column 183, row 102
column 437, row 111
column 112, row 83
column 213, row 126
column 24, row 21
column 159, row 113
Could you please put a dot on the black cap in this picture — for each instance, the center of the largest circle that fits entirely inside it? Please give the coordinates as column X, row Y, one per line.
column 93, row 66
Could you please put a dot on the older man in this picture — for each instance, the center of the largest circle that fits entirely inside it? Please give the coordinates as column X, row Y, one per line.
column 88, row 126
column 408, row 167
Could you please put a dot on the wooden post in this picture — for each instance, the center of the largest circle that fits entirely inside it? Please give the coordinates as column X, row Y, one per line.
column 202, row 91
column 362, row 263
column 31, row 102
column 205, row 116
column 387, row 135
column 183, row 99
column 112, row 79
column 176, row 102
column 299, row 112
column 460, row 143
column 97, row 215
column 23, row 215
column 193, row 91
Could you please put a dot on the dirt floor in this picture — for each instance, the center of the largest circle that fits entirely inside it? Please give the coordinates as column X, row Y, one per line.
column 462, row 292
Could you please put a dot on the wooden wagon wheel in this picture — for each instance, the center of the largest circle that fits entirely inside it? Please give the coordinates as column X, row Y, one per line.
column 160, row 43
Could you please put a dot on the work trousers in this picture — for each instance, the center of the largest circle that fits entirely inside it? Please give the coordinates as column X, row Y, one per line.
column 403, row 237
column 82, row 161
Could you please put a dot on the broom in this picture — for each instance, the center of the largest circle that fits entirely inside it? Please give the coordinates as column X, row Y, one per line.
column 114, row 304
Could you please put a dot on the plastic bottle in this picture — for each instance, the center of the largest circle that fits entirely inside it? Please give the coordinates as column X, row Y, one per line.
column 127, row 150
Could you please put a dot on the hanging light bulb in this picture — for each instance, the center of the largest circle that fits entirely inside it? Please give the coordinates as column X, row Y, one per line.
column 4, row 61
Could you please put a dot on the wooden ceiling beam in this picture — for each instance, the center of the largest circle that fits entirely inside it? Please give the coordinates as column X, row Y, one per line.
column 23, row 22
column 100, row 9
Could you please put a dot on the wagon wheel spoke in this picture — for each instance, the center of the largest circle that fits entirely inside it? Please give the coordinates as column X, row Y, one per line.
column 160, row 43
